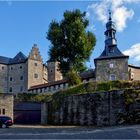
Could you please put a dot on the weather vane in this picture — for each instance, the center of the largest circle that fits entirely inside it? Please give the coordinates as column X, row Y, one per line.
column 109, row 14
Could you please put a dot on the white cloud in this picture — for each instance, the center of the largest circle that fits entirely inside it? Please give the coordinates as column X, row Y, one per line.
column 134, row 52
column 91, row 28
column 120, row 16
column 120, row 13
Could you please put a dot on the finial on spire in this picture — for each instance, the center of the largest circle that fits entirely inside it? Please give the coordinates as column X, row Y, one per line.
column 110, row 18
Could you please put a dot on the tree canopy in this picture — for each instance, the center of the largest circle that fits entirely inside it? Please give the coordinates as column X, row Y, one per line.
column 71, row 43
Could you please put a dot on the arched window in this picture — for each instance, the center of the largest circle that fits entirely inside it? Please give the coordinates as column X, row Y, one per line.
column 112, row 77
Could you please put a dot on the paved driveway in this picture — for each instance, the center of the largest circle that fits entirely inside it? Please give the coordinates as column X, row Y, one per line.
column 70, row 132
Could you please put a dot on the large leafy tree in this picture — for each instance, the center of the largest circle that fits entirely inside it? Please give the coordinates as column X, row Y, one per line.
column 71, row 43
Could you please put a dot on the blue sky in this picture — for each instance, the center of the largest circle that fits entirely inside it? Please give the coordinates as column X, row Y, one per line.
column 25, row 23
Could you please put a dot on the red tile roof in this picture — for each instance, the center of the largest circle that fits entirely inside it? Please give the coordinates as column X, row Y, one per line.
column 85, row 75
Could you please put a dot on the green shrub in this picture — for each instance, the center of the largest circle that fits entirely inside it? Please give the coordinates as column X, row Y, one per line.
column 136, row 84
column 33, row 97
column 103, row 86
column 73, row 78
column 131, row 96
column 90, row 87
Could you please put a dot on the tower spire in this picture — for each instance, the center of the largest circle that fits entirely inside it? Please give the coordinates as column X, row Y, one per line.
column 110, row 32
column 110, row 15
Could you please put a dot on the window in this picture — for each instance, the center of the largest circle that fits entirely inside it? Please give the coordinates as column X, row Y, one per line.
column 35, row 75
column 21, row 77
column 21, row 88
column 111, row 65
column 3, row 111
column 2, row 67
column 132, row 76
column 113, row 34
column 10, row 89
column 110, row 34
column 49, row 88
column 51, row 70
column 11, row 79
column 35, row 64
column 5, row 78
column 111, row 50
column 112, row 77
column 20, row 67
column 11, row 68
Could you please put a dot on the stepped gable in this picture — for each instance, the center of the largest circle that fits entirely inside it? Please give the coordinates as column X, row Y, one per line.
column 35, row 54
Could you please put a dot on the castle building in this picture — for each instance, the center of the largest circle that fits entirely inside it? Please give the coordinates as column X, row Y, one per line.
column 20, row 73
column 29, row 74
column 111, row 64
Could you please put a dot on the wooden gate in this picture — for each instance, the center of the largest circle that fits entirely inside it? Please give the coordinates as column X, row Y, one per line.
column 27, row 113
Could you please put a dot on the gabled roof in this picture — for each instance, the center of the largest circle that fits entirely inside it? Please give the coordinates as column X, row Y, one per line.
column 19, row 58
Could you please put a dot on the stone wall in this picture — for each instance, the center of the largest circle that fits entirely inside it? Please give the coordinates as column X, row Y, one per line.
column 35, row 67
column 6, row 105
column 35, row 72
column 3, row 78
column 104, row 108
column 134, row 72
column 53, row 72
column 17, row 78
column 117, row 67
column 13, row 78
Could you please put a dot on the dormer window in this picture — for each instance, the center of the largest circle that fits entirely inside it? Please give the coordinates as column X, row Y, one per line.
column 19, row 59
column 111, row 50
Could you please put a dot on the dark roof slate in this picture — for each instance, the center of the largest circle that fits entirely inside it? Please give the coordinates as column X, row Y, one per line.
column 132, row 66
column 19, row 58
column 4, row 60
column 116, row 54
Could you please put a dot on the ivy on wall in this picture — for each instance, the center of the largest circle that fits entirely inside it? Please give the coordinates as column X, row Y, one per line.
column 84, row 88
